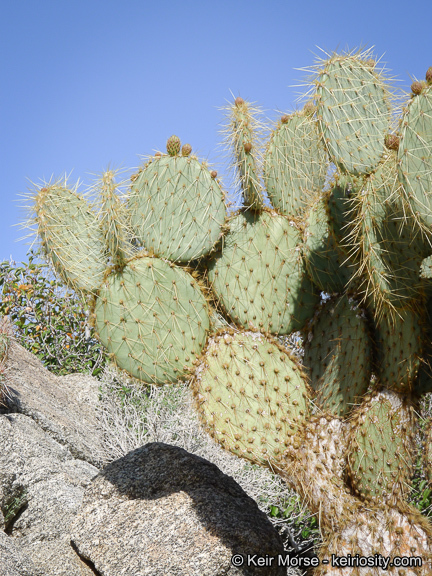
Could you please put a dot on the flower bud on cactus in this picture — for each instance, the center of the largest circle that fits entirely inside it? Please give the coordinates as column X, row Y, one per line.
column 186, row 149
column 391, row 141
column 416, row 88
column 173, row 145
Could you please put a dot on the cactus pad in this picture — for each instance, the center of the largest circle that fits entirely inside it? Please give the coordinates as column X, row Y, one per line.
column 399, row 347
column 113, row 221
column 338, row 356
column 153, row 319
column 387, row 246
column 295, row 164
column 380, row 449
column 177, row 208
column 353, row 111
column 260, row 277
column 341, row 210
column 327, row 265
column 415, row 156
column 243, row 134
column 71, row 236
column 251, row 395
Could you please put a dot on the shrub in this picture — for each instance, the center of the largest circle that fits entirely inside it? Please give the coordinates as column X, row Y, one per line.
column 48, row 319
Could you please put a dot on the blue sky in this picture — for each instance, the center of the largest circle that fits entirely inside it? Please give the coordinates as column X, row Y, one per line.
column 87, row 84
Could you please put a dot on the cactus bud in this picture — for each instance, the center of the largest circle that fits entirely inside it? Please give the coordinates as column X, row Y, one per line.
column 239, row 101
column 416, row 88
column 309, row 108
column 173, row 145
column 284, row 119
column 391, row 141
column 213, row 174
column 186, row 149
column 247, row 147
column 429, row 75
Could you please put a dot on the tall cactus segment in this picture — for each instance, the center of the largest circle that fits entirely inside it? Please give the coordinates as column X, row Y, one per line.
column 153, row 319
column 338, row 356
column 384, row 241
column 259, row 278
column 251, row 395
column 243, row 139
column 380, row 449
column 295, row 164
column 177, row 207
column 70, row 235
column 113, row 221
column 353, row 99
column 415, row 155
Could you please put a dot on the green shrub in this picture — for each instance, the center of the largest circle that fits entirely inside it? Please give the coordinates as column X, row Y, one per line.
column 48, row 319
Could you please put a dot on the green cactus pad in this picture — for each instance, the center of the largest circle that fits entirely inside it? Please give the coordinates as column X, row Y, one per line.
column 153, row 319
column 260, row 278
column 380, row 449
column 388, row 247
column 341, row 210
column 399, row 348
column 415, row 157
column 113, row 221
column 353, row 111
column 295, row 165
column 243, row 134
column 251, row 395
column 71, row 237
column 423, row 384
column 177, row 208
column 328, row 266
column 338, row 356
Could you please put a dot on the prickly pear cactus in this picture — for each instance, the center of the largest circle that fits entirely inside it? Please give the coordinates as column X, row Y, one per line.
column 251, row 394
column 295, row 163
column 341, row 254
column 153, row 319
column 177, row 207
column 70, row 236
column 259, row 278
column 415, row 153
column 381, row 448
column 353, row 100
column 338, row 355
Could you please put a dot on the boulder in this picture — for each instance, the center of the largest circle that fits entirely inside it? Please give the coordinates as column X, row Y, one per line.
column 13, row 562
column 64, row 406
column 41, row 489
column 160, row 510
column 157, row 510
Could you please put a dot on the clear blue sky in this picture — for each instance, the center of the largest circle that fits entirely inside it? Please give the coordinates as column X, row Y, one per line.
column 91, row 83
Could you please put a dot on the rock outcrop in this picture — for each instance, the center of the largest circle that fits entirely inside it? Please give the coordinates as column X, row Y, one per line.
column 64, row 512
column 160, row 510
